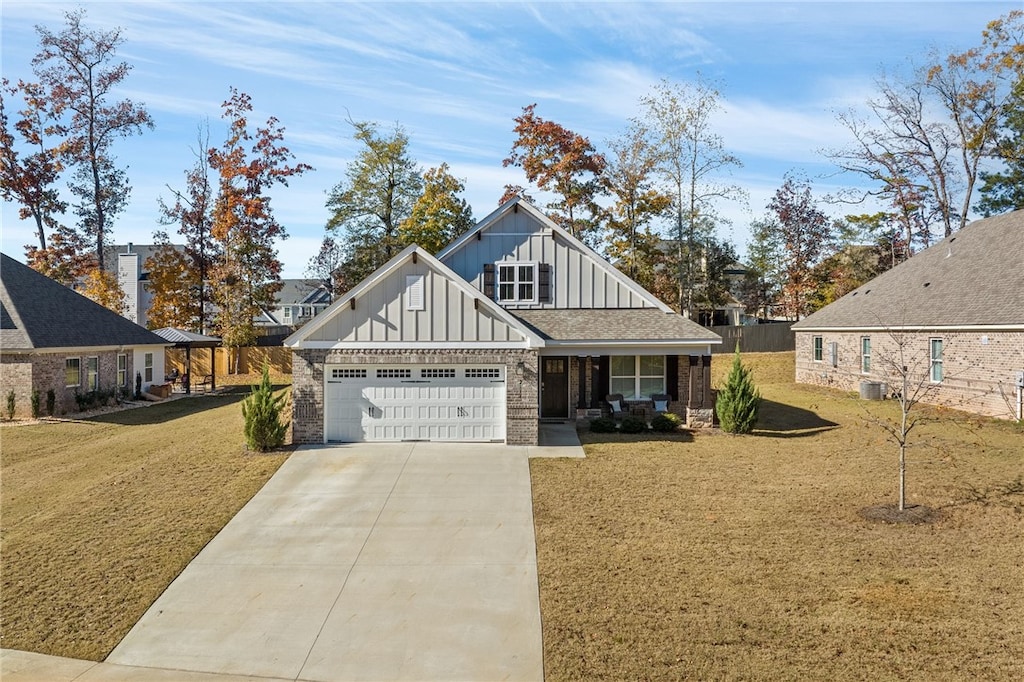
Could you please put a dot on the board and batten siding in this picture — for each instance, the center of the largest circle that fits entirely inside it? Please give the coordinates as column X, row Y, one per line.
column 381, row 314
column 577, row 279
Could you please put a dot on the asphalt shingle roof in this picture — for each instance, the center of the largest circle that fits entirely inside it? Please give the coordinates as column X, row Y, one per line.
column 607, row 324
column 973, row 277
column 45, row 314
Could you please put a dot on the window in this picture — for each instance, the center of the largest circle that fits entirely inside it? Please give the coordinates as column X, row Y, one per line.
column 287, row 313
column 819, row 349
column 483, row 373
column 637, row 377
column 73, row 372
column 122, row 370
column 517, row 282
column 865, row 354
column 148, row 364
column 935, row 351
column 391, row 373
column 348, row 373
column 92, row 373
column 307, row 311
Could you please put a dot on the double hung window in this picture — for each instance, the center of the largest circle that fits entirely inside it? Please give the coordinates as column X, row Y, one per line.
column 935, row 353
column 637, row 377
column 865, row 354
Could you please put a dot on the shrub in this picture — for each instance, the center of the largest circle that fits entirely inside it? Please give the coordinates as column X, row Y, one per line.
column 34, row 401
column 10, row 404
column 602, row 425
column 633, row 425
column 666, row 423
column 51, row 402
column 739, row 400
column 262, row 412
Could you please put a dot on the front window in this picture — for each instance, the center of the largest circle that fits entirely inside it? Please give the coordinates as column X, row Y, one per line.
column 637, row 377
column 122, row 370
column 92, row 373
column 287, row 314
column 819, row 349
column 73, row 372
column 865, row 354
column 517, row 282
column 936, row 357
column 148, row 364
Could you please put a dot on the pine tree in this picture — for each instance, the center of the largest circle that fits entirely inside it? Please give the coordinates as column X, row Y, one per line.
column 739, row 400
column 262, row 412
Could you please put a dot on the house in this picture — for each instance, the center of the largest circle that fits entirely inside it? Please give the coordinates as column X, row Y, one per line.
column 129, row 262
column 514, row 321
column 54, row 338
column 298, row 302
column 957, row 311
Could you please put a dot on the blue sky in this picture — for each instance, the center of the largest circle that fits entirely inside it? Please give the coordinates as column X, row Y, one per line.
column 455, row 75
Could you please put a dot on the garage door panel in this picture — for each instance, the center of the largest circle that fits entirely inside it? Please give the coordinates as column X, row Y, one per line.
column 456, row 403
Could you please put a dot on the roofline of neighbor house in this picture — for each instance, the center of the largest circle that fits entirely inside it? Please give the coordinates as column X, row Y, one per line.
column 917, row 328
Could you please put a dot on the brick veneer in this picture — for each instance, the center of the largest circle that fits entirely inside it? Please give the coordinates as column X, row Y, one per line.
column 24, row 373
column 521, row 396
column 978, row 367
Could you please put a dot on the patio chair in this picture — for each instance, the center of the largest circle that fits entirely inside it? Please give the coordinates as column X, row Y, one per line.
column 617, row 404
column 660, row 401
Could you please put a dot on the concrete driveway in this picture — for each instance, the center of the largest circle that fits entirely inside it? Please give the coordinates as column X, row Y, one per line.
column 402, row 561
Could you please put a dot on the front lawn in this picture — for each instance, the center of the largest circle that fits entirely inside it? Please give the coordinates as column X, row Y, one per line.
column 746, row 557
column 100, row 515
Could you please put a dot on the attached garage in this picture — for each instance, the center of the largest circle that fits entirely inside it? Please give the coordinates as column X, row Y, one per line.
column 398, row 402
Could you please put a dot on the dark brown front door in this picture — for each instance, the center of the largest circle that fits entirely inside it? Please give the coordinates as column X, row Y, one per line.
column 554, row 387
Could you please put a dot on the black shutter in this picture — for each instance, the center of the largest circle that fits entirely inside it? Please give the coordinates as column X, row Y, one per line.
column 672, row 376
column 544, row 282
column 604, row 377
column 489, row 280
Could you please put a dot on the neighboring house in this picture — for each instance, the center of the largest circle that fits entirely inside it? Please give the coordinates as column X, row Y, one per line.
column 54, row 338
column 129, row 262
column 298, row 302
column 514, row 321
column 958, row 308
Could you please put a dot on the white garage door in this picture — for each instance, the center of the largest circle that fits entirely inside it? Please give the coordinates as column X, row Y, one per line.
column 414, row 402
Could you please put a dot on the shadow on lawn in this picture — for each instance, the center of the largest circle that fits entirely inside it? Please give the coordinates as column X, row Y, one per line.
column 159, row 413
column 778, row 420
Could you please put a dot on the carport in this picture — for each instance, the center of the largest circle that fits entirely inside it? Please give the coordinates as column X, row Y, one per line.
column 189, row 340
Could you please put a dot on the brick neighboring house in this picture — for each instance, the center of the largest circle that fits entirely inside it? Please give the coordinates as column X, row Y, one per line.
column 54, row 338
column 514, row 321
column 959, row 308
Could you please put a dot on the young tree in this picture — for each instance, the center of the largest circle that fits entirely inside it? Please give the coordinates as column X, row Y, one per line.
column 381, row 187
column 261, row 411
column 193, row 212
column 692, row 160
column 556, row 159
column 739, row 400
column 762, row 285
column 102, row 287
column 247, row 277
column 76, row 68
column 629, row 179
column 440, row 214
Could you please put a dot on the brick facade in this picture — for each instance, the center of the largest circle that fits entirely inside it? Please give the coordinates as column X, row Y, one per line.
column 979, row 368
column 28, row 372
column 521, row 394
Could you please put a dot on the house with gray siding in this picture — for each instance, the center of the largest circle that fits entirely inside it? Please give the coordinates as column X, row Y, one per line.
column 514, row 322
column 52, row 338
column 953, row 315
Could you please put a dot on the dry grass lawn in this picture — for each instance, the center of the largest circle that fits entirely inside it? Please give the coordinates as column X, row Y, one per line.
column 99, row 515
column 745, row 557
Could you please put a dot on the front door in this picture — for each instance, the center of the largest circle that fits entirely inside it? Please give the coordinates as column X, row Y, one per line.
column 554, row 388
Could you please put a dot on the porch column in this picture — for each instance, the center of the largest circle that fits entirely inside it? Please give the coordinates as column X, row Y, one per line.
column 581, row 371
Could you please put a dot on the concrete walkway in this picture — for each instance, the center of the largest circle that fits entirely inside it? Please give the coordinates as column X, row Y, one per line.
column 400, row 561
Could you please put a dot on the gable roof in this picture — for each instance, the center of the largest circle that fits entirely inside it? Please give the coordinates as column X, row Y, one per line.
column 615, row 324
column 40, row 313
column 973, row 278
column 410, row 254
column 303, row 291
column 518, row 203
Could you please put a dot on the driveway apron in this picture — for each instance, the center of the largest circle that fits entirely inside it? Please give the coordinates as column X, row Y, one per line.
column 402, row 561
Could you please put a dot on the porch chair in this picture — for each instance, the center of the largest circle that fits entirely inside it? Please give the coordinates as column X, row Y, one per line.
column 659, row 401
column 617, row 404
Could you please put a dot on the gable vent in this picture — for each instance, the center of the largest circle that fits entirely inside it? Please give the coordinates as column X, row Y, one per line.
column 414, row 292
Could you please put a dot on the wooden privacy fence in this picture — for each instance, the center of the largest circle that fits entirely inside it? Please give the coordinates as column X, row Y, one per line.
column 757, row 338
column 250, row 360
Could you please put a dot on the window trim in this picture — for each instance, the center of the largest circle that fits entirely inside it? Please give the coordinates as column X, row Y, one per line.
column 637, row 377
column 147, row 364
column 122, row 369
column 78, row 371
column 936, row 362
column 516, row 282
column 93, row 381
column 287, row 316
column 818, row 348
column 865, row 355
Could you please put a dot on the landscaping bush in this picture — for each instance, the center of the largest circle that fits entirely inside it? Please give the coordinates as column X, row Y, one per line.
column 35, row 404
column 51, row 402
column 10, row 405
column 633, row 425
column 602, row 425
column 262, row 412
column 739, row 400
column 666, row 423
